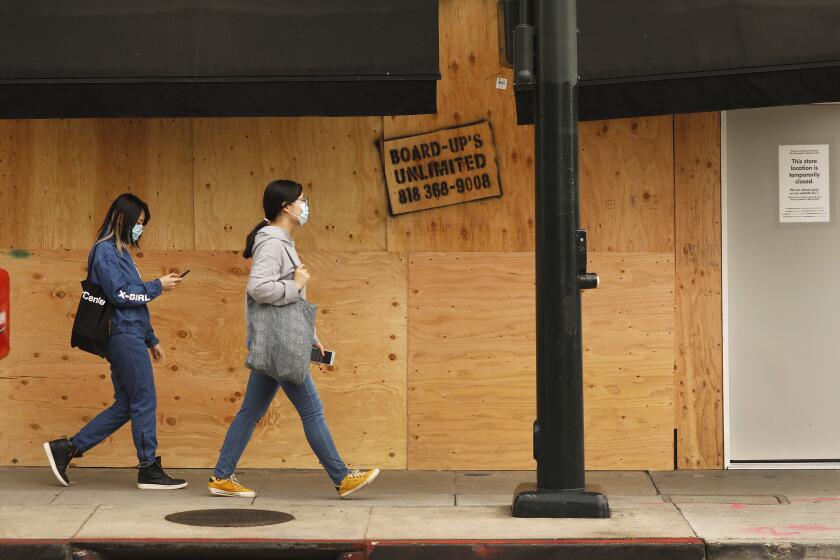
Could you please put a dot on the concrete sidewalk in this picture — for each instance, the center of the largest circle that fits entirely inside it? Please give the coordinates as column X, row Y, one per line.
column 682, row 514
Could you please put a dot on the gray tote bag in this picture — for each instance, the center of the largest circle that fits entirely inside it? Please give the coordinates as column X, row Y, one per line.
column 281, row 339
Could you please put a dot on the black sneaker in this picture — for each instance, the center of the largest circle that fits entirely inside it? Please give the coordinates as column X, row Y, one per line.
column 153, row 477
column 60, row 452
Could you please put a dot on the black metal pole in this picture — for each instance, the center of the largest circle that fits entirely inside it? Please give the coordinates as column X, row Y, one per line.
column 561, row 274
column 559, row 367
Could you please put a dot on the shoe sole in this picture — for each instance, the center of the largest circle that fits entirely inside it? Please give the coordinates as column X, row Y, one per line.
column 54, row 468
column 217, row 492
column 162, row 486
column 362, row 485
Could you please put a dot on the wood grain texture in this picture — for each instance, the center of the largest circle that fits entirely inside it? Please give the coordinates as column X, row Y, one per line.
column 14, row 168
column 53, row 183
column 628, row 356
column 699, row 322
column 471, row 364
column 151, row 158
column 469, row 65
column 335, row 159
column 441, row 168
column 626, row 177
column 49, row 389
column 59, row 177
column 472, row 361
column 627, row 184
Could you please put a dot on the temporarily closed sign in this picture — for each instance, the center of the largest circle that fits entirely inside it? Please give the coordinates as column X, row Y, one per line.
column 804, row 184
column 441, row 168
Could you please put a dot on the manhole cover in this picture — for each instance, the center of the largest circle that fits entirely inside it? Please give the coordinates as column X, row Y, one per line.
column 229, row 517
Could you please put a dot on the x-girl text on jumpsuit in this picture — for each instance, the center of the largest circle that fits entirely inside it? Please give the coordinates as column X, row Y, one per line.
column 131, row 367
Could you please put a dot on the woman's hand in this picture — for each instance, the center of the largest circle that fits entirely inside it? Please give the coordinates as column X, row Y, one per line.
column 170, row 281
column 320, row 347
column 158, row 354
column 301, row 277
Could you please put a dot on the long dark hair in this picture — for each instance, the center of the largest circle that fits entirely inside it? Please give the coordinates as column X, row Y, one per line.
column 278, row 194
column 121, row 218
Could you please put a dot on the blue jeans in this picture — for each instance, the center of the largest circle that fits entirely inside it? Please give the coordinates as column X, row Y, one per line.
column 258, row 396
column 134, row 398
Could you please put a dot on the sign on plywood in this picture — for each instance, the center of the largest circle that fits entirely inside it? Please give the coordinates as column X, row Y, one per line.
column 803, row 184
column 441, row 168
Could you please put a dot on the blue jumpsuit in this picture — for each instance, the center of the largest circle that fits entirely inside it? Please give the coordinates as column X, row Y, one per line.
column 131, row 367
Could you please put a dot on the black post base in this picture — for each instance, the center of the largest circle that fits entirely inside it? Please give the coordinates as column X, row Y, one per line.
column 530, row 501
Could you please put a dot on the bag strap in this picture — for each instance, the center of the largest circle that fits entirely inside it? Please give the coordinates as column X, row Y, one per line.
column 290, row 257
column 286, row 247
column 90, row 259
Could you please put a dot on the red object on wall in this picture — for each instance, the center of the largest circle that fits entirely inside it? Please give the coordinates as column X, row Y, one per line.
column 4, row 313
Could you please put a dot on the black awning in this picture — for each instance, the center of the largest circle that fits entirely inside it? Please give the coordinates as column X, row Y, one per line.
column 649, row 57
column 217, row 57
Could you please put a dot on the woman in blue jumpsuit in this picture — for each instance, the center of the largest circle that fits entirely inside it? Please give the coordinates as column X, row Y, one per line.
column 131, row 343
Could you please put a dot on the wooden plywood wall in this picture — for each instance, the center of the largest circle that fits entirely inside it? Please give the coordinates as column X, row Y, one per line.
column 627, row 185
column 699, row 306
column 334, row 159
column 59, row 178
column 469, row 66
column 432, row 314
column 49, row 389
column 472, row 363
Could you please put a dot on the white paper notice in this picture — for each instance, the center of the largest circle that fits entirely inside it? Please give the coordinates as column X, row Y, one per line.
column 803, row 184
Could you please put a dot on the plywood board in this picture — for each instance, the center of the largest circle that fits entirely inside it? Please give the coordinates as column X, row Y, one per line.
column 628, row 356
column 151, row 158
column 50, row 183
column 203, row 179
column 467, row 92
column 441, row 168
column 335, row 159
column 472, row 361
column 14, row 168
column 49, row 389
column 627, row 184
column 626, row 177
column 699, row 324
column 59, row 177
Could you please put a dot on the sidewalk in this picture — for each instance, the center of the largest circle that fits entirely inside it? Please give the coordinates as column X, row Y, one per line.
column 682, row 514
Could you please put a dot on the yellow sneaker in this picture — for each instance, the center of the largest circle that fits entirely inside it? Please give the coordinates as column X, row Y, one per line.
column 229, row 487
column 355, row 481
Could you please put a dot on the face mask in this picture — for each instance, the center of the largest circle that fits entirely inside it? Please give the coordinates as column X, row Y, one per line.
column 304, row 213
column 136, row 232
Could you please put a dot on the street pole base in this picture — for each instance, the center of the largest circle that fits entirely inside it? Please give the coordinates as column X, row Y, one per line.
column 530, row 501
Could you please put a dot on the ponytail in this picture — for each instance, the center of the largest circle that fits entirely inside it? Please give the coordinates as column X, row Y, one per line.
column 249, row 241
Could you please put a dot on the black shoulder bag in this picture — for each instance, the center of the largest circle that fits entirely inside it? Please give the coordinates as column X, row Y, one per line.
column 92, row 326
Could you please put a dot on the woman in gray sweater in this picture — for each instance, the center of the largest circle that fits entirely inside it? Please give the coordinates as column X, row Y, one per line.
column 278, row 278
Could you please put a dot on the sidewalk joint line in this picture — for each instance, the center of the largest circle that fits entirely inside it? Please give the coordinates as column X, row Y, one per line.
column 652, row 481
column 85, row 522
column 687, row 522
column 367, row 526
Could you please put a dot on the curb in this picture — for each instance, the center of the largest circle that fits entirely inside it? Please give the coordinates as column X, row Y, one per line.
column 279, row 549
column 773, row 551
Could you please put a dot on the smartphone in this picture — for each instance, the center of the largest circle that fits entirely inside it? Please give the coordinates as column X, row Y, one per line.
column 184, row 273
column 328, row 358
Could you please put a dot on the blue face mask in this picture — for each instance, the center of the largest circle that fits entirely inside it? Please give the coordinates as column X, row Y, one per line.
column 304, row 213
column 136, row 232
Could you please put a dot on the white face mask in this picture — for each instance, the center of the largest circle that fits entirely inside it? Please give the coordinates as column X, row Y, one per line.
column 136, row 232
